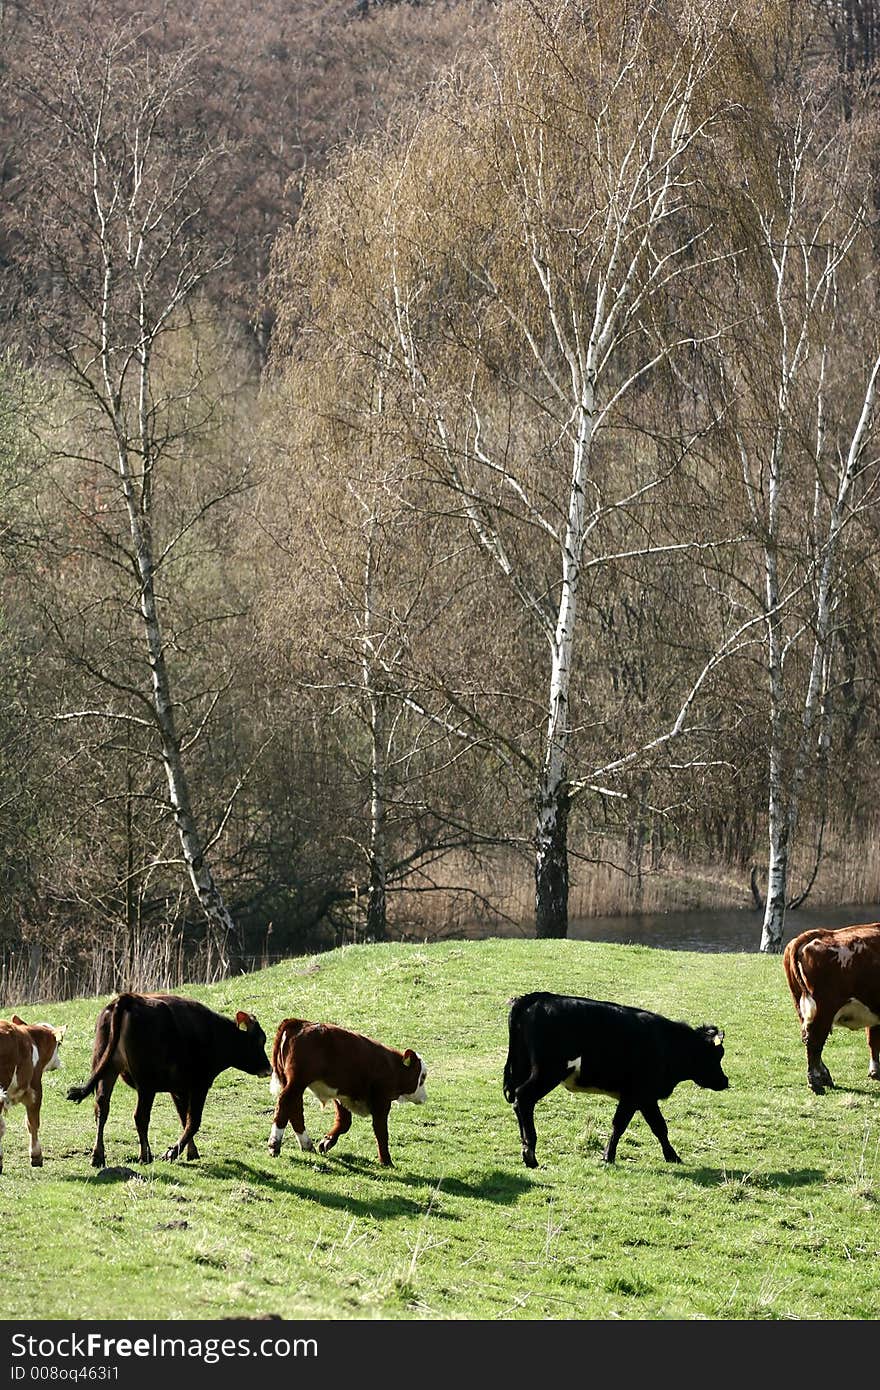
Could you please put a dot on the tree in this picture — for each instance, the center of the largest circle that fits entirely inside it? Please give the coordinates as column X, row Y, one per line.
column 510, row 259
column 118, row 264
column 799, row 380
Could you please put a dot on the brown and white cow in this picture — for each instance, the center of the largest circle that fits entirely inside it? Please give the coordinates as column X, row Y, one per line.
column 26, row 1051
column 360, row 1076
column 834, row 978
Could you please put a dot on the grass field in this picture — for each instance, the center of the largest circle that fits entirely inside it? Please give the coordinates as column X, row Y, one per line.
column 774, row 1213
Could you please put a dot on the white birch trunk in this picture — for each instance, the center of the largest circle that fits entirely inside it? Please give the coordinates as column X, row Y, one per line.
column 223, row 932
column 376, row 925
column 777, row 812
column 551, row 831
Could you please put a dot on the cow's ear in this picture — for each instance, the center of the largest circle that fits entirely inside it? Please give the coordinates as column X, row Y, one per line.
column 409, row 1057
column 715, row 1035
column 60, row 1033
column 242, row 1019
column 20, row 1021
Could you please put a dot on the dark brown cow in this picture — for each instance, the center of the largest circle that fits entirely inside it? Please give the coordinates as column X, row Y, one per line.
column 26, row 1051
column 834, row 978
column 162, row 1042
column 360, row 1076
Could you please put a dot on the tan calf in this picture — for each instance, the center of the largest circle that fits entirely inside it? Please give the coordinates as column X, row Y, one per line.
column 26, row 1051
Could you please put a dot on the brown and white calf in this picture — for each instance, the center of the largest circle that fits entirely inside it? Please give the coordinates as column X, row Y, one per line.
column 26, row 1051
column 834, row 978
column 360, row 1076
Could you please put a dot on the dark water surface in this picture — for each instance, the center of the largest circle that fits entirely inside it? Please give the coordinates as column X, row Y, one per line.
column 725, row 929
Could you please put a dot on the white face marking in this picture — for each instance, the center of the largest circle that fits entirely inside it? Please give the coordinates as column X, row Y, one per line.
column 856, row 1015
column 419, row 1095
column 276, row 1136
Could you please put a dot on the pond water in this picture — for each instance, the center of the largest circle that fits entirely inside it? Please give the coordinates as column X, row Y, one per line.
column 723, row 929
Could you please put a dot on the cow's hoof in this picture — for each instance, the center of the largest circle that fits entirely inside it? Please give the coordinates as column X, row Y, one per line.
column 874, row 1075
column 36, row 1160
column 274, row 1150
column 169, row 1156
column 99, row 1161
column 817, row 1088
column 672, row 1158
column 323, row 1146
column 529, row 1159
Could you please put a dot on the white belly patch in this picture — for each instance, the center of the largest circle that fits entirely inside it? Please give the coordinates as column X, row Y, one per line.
column 855, row 1014
column 327, row 1093
column 573, row 1082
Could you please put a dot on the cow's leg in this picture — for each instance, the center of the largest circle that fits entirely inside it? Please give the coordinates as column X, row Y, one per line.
column 341, row 1125
column 2, row 1132
column 197, row 1097
column 874, row 1053
column 32, row 1110
column 289, row 1111
column 815, row 1038
column 103, row 1092
column 651, row 1111
column 526, row 1097
column 181, row 1105
column 626, row 1108
column 380, row 1112
column 142, row 1113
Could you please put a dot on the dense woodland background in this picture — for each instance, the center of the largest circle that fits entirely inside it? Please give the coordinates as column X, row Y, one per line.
column 439, row 466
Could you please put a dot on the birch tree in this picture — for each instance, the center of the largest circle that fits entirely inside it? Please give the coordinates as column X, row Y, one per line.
column 801, row 388
column 118, row 268
column 515, row 260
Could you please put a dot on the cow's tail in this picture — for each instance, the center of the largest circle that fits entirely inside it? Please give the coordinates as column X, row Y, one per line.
column 514, row 1067
column 117, row 1010
column 804, row 1003
column 286, row 1030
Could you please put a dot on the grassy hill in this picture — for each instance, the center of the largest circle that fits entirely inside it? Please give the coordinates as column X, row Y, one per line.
column 773, row 1213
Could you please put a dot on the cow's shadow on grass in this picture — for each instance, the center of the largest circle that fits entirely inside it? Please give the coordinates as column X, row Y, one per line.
column 497, row 1186
column 285, row 1183
column 305, row 1177
column 724, row 1177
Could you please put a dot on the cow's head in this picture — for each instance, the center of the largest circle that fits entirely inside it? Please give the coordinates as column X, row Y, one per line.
column 252, row 1054
column 710, row 1050
column 414, row 1075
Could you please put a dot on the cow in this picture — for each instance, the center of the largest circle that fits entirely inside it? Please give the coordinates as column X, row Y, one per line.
column 360, row 1076
column 27, row 1050
column 834, row 978
column 162, row 1042
column 592, row 1045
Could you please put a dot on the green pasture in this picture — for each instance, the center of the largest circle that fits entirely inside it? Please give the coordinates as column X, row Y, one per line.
column 774, row 1212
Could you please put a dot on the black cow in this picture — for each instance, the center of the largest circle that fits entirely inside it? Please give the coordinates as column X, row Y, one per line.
column 161, row 1042
column 589, row 1045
